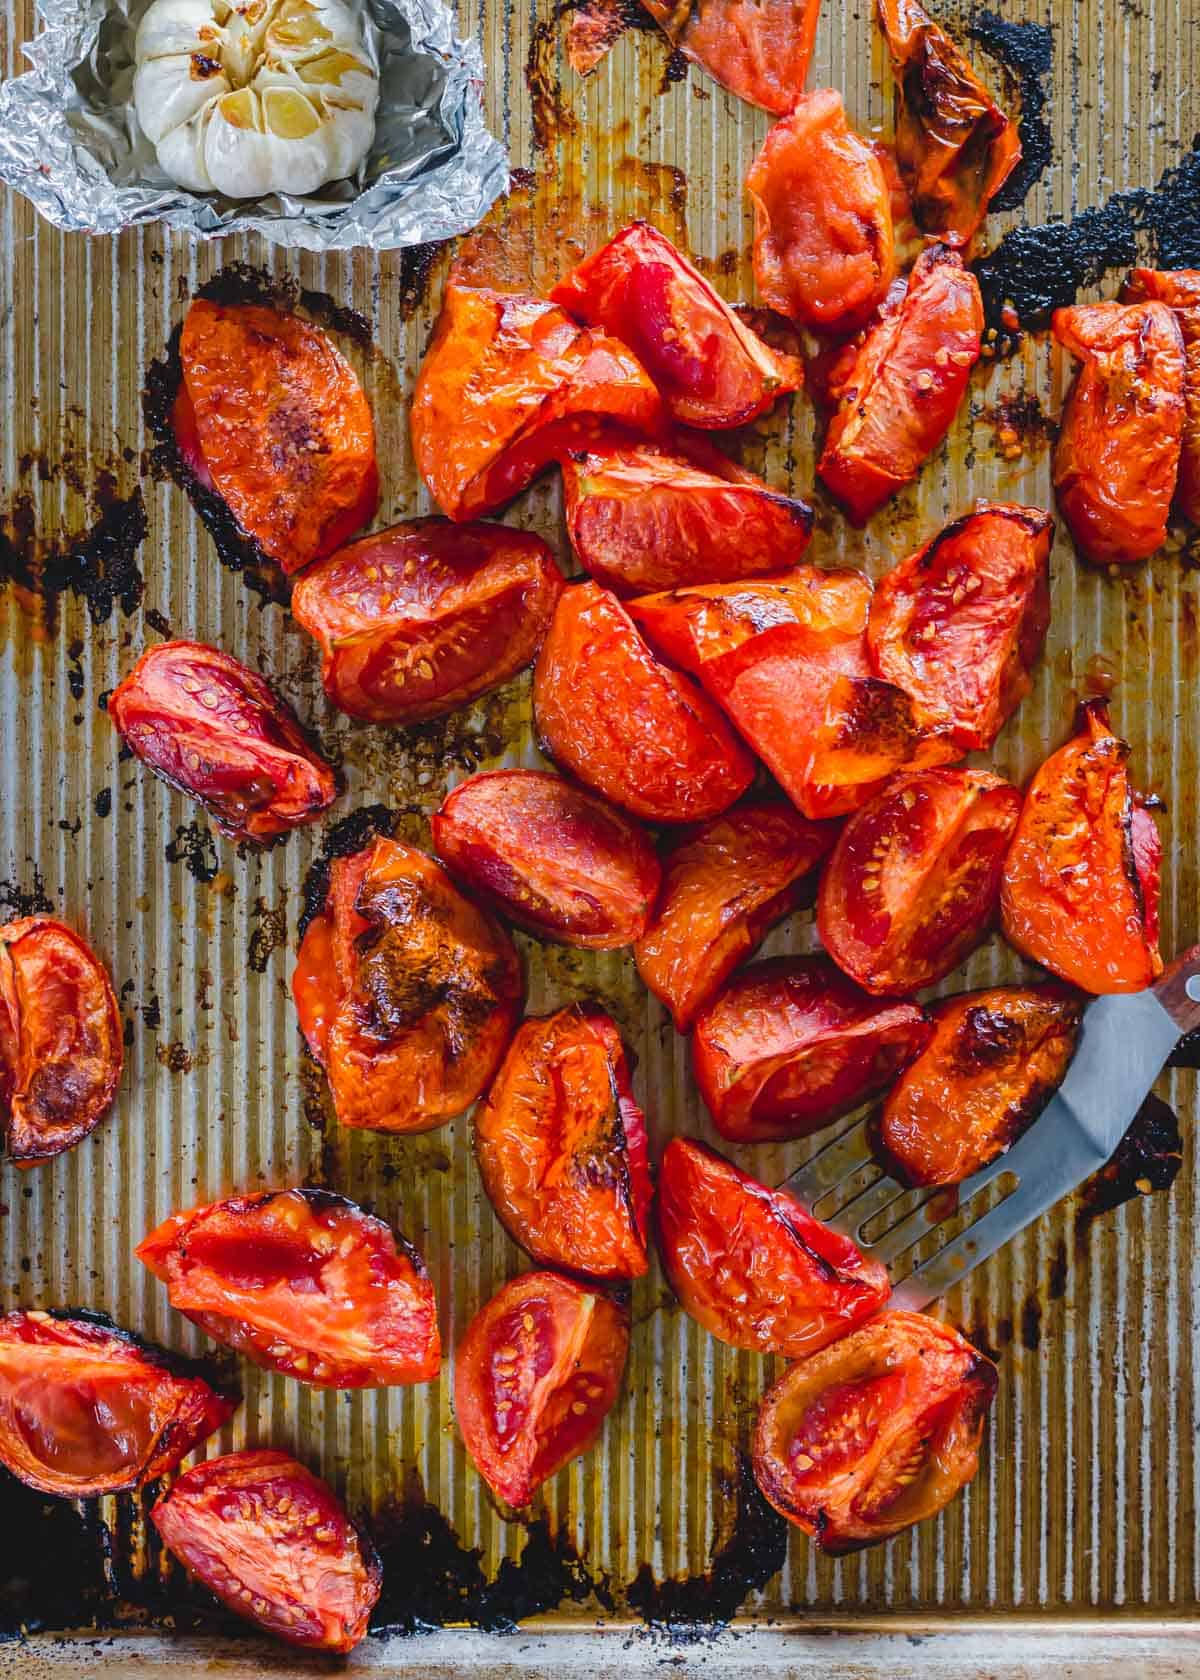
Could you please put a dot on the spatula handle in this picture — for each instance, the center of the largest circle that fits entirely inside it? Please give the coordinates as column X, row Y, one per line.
column 1178, row 990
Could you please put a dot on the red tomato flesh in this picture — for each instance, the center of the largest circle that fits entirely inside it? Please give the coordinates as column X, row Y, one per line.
column 758, row 49
column 1179, row 289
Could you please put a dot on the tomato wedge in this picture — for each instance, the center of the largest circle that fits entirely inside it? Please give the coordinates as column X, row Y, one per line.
column 791, row 1045
column 758, row 49
column 303, row 1282
column 955, row 146
column 87, row 1409
column 1080, row 889
column 418, row 620
column 272, row 1542
column 641, row 517
column 751, row 1264
column 555, row 859
column 212, row 728
column 823, row 240
column 61, row 1047
column 959, row 625
column 508, row 384
column 724, row 887
column 407, row 993
column 1179, row 289
column 1120, row 441
column 913, row 884
column 536, row 1374
column 638, row 732
column 898, row 388
column 282, row 425
column 711, row 369
column 874, row 1433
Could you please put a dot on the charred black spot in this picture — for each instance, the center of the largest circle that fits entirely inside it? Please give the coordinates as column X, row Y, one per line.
column 343, row 839
column 196, row 849
column 269, row 935
column 1026, row 50
column 1147, row 1159
column 1031, row 1325
column 98, row 568
column 102, row 804
column 18, row 900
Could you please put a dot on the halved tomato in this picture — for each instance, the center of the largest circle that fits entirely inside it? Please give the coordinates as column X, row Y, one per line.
column 626, row 724
column 555, row 859
column 418, row 620
column 874, row 1433
column 711, row 369
column 1120, row 440
column 959, row 625
column 791, row 1045
column 303, row 1282
column 508, row 384
column 88, row 1409
column 724, row 887
column 898, row 388
column 823, row 240
column 211, row 727
column 751, row 1264
column 955, row 146
column 406, row 991
column 282, row 425
column 561, row 1146
column 274, row 1544
column 1080, row 889
column 913, row 884
column 1179, row 289
column 535, row 1376
column 642, row 517
column 758, row 49
column 593, row 28
column 61, row 1048
column 994, row 1061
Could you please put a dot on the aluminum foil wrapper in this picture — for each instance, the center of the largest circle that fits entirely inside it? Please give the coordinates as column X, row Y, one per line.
column 69, row 140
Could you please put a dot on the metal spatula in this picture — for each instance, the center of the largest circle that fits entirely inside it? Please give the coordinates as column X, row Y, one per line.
column 1123, row 1045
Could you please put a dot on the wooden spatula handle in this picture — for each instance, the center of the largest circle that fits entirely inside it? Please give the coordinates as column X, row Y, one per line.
column 1174, row 989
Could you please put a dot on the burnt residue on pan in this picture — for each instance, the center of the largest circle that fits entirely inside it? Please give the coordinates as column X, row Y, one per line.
column 98, row 566
column 269, row 934
column 195, row 848
column 1026, row 51
column 20, row 898
column 1019, row 425
column 550, row 114
column 1147, row 1159
column 341, row 839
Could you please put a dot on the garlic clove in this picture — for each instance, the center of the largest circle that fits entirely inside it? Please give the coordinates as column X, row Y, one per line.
column 169, row 91
column 181, row 152
column 172, row 27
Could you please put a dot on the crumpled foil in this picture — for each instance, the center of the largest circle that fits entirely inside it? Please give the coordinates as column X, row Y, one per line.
column 70, row 142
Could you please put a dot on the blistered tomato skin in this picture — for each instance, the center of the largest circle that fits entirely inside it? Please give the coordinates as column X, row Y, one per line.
column 913, row 884
column 418, row 620
column 559, row 861
column 536, row 1374
column 711, row 369
column 791, row 1045
column 1179, row 289
column 1080, row 888
column 213, row 729
column 724, row 887
column 751, row 1264
column 303, row 1282
column 758, row 49
column 874, row 1433
column 87, row 1409
column 273, row 1543
column 561, row 1147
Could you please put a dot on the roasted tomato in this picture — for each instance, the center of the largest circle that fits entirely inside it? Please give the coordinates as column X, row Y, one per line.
column 272, row 1541
column 724, row 886
column 423, row 618
column 593, row 27
column 641, row 517
column 1080, row 889
column 913, row 884
column 955, row 146
column 550, row 856
column 785, row 658
column 711, row 369
column 87, row 1409
column 213, row 729
column 282, row 427
column 561, row 1146
column 752, row 1265
column 535, row 1376
column 993, row 1063
column 758, row 49
column 823, row 243
column 407, row 992
column 1180, row 291
column 508, row 384
column 874, row 1433
column 1120, row 441
column 959, row 625
column 898, row 388
column 612, row 714
column 60, row 1039
column 303, row 1282
column 791, row 1045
